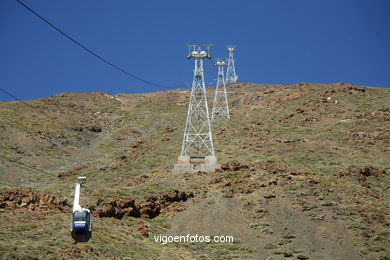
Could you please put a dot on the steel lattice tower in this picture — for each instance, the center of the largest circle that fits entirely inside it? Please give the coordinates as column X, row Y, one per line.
column 197, row 140
column 220, row 105
column 231, row 76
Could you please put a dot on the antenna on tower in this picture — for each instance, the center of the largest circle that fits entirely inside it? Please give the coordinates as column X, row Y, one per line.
column 197, row 151
column 231, row 76
column 220, row 105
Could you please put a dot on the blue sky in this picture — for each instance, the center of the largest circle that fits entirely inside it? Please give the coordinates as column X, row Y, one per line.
column 278, row 42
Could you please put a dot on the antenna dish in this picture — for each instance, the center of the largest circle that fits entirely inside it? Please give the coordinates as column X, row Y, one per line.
column 199, row 51
column 220, row 63
column 231, row 48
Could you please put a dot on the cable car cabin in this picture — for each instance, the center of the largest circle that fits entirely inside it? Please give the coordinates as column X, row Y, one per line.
column 81, row 228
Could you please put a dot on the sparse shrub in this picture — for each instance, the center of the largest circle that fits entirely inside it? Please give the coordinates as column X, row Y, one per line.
column 287, row 253
column 289, row 236
column 270, row 246
column 302, row 257
column 327, row 203
column 385, row 257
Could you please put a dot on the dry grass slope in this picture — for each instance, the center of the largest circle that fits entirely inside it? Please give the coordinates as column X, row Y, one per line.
column 303, row 176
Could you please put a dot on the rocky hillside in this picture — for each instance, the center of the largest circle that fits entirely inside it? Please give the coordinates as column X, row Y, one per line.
column 305, row 175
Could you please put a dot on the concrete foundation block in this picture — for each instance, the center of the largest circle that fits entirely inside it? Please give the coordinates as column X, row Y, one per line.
column 194, row 164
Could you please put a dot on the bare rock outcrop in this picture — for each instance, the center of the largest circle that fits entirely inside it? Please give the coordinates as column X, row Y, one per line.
column 148, row 208
column 17, row 199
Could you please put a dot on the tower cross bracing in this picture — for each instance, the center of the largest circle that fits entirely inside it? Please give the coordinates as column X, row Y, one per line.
column 231, row 76
column 220, row 105
column 197, row 140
